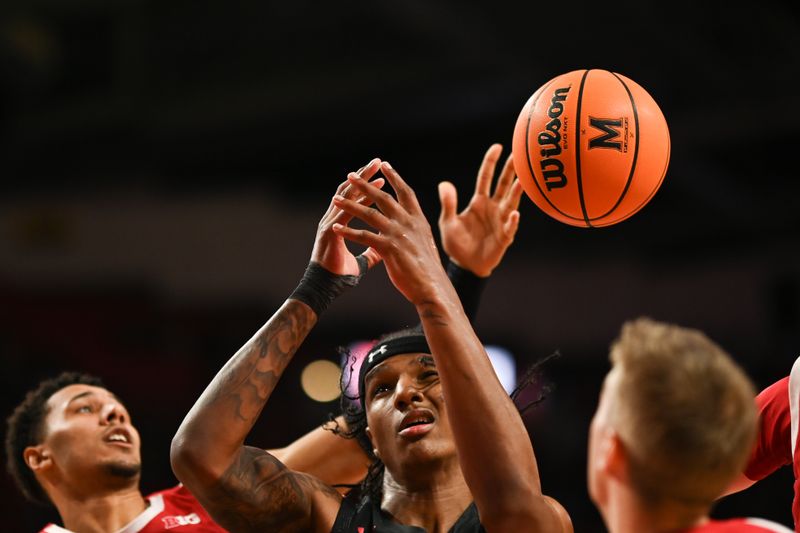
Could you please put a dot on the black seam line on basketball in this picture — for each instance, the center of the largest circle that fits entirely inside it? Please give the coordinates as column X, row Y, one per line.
column 528, row 154
column 578, row 151
column 655, row 189
column 635, row 150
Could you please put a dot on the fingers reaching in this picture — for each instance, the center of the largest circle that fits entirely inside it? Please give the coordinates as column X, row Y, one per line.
column 448, row 197
column 405, row 194
column 486, row 172
column 333, row 214
column 506, row 179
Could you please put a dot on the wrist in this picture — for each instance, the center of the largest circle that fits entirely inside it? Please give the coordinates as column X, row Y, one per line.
column 319, row 287
column 478, row 273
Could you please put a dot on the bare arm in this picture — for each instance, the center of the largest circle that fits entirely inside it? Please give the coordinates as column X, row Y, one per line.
column 245, row 488
column 501, row 472
column 332, row 459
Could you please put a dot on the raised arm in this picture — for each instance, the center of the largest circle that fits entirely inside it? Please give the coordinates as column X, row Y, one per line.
column 501, row 472
column 475, row 241
column 245, row 488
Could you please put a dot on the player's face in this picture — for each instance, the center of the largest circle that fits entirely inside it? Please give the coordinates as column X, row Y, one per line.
column 406, row 418
column 88, row 431
column 600, row 435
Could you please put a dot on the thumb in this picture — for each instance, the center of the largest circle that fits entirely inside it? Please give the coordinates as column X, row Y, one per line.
column 511, row 225
column 372, row 257
column 448, row 196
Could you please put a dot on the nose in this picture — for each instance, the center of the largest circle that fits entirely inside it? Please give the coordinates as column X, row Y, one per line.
column 407, row 393
column 112, row 413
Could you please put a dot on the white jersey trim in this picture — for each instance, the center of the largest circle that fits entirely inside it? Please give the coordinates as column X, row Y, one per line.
column 794, row 399
column 52, row 528
column 768, row 525
column 134, row 526
column 138, row 523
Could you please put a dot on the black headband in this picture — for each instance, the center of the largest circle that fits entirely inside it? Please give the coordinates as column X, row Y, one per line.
column 384, row 350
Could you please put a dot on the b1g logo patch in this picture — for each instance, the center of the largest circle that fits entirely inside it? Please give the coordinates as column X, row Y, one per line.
column 178, row 521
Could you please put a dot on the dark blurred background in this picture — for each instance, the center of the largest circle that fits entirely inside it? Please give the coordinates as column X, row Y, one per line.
column 164, row 165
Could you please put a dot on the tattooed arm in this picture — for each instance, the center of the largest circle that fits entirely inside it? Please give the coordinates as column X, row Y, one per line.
column 244, row 488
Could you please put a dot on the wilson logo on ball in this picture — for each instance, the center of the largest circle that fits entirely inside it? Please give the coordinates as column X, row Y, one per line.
column 550, row 141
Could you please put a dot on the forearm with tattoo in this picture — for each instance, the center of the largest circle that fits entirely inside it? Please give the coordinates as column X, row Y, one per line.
column 258, row 493
column 245, row 488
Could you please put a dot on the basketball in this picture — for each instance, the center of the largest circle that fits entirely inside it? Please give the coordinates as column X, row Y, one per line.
column 591, row 148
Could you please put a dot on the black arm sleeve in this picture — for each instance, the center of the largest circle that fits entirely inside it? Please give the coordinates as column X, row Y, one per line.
column 468, row 286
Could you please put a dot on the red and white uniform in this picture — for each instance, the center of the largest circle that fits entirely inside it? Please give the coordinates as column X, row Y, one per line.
column 777, row 434
column 173, row 510
column 739, row 525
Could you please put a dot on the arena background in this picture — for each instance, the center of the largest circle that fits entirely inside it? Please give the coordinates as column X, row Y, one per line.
column 164, row 165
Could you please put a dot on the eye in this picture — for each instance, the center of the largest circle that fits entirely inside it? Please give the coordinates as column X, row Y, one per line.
column 84, row 409
column 428, row 374
column 380, row 389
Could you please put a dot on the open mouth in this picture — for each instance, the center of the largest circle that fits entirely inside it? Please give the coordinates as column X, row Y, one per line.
column 417, row 422
column 118, row 436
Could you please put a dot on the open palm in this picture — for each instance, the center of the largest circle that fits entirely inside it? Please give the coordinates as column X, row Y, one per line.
column 477, row 238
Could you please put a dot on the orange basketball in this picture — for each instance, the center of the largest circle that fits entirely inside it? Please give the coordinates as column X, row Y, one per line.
column 591, row 148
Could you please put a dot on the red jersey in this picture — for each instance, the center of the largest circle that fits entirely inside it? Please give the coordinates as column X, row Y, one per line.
column 739, row 525
column 776, row 445
column 173, row 510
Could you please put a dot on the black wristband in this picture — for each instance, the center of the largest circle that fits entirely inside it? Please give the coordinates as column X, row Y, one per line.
column 468, row 286
column 319, row 286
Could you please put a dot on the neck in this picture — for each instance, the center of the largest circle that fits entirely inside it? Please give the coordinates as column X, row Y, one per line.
column 433, row 502
column 100, row 510
column 625, row 512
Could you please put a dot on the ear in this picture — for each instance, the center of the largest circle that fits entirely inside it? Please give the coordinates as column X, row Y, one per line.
column 614, row 457
column 374, row 448
column 37, row 458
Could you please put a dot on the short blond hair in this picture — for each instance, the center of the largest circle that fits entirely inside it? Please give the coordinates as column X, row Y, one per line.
column 684, row 410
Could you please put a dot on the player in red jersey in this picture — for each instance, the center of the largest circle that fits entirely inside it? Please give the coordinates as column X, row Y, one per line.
column 776, row 444
column 673, row 428
column 71, row 444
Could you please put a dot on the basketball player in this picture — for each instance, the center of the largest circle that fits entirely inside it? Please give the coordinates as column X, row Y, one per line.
column 97, row 489
column 462, row 464
column 674, row 426
column 71, row 443
column 776, row 444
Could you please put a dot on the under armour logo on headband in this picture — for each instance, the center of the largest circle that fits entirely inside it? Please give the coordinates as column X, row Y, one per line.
column 373, row 353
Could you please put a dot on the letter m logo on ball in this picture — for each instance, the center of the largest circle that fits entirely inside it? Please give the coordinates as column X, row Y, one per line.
column 608, row 127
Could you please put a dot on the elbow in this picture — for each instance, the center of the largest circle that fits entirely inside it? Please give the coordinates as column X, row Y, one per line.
column 181, row 457
column 188, row 461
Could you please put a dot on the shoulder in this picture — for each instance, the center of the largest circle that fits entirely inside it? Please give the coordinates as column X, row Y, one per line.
column 175, row 507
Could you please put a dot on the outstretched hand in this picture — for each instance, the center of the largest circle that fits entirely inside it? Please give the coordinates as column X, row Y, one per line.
column 330, row 250
column 401, row 235
column 477, row 238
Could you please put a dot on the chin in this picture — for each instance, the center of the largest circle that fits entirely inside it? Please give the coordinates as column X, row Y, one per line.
column 124, row 470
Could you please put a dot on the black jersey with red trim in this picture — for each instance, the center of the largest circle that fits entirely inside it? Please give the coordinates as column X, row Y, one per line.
column 363, row 515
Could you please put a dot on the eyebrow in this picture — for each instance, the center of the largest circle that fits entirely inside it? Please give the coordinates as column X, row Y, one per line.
column 375, row 372
column 91, row 393
column 426, row 360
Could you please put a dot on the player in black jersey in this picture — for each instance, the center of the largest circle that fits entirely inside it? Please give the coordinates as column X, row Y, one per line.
column 466, row 464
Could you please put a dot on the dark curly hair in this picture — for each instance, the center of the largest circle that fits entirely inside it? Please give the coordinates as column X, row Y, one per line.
column 25, row 428
column 356, row 418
